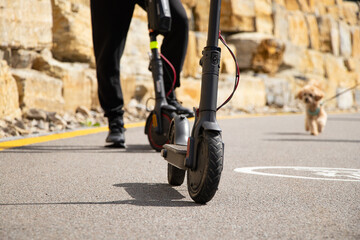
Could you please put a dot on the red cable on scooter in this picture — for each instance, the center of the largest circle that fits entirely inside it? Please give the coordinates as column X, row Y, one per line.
column 173, row 69
column 237, row 77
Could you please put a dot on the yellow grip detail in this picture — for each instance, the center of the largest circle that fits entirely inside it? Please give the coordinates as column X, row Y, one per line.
column 154, row 44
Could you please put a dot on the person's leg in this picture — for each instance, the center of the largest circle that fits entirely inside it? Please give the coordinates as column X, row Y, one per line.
column 174, row 48
column 110, row 24
column 175, row 42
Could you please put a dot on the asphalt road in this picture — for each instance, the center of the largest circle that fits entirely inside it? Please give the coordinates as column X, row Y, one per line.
column 287, row 185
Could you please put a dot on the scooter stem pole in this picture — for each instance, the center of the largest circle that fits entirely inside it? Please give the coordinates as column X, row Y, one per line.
column 214, row 22
column 211, row 64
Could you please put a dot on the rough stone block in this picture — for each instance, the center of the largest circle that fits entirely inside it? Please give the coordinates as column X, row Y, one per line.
column 345, row 100
column 329, row 35
column 76, row 84
column 264, row 18
column 292, row 5
column 191, row 65
column 21, row 58
column 337, row 75
column 281, row 27
column 298, row 31
column 251, row 93
column 357, row 97
column 91, row 75
column 128, row 86
column 197, row 42
column 295, row 57
column 335, row 11
column 315, row 63
column 9, row 96
column 279, row 2
column 227, row 64
column 140, row 13
column 246, row 46
column 350, row 10
column 304, row 5
column 278, row 92
column 264, row 24
column 237, row 15
column 327, row 2
column 313, row 29
column 335, row 69
column 345, row 39
column 38, row 90
column 189, row 3
column 189, row 92
column 135, row 60
column 201, row 15
column 268, row 56
column 72, row 35
column 355, row 40
column 350, row 64
column 25, row 24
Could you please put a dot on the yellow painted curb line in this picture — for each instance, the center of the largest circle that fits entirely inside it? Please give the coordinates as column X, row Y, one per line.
column 56, row 136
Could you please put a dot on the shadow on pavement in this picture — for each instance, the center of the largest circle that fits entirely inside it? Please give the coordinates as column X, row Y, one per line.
column 346, row 119
column 315, row 140
column 141, row 148
column 288, row 133
column 143, row 194
column 146, row 194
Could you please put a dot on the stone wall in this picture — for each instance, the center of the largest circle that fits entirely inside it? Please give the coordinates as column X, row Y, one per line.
column 48, row 61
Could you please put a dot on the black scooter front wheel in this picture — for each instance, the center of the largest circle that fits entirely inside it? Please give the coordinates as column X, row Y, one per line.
column 203, row 181
column 157, row 140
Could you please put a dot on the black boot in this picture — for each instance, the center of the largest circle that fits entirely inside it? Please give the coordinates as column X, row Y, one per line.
column 116, row 132
column 171, row 99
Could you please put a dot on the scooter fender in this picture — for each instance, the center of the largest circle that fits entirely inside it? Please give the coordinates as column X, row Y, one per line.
column 211, row 126
column 182, row 129
column 191, row 156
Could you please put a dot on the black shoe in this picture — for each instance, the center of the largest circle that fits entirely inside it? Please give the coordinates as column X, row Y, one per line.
column 180, row 109
column 116, row 132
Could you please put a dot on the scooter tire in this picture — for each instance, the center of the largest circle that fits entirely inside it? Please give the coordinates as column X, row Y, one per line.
column 176, row 175
column 203, row 181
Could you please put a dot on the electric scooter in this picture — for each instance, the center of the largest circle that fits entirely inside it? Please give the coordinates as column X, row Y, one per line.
column 159, row 119
column 201, row 155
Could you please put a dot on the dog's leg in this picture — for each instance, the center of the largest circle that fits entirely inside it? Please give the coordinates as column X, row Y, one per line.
column 320, row 126
column 313, row 128
column 307, row 125
column 322, row 121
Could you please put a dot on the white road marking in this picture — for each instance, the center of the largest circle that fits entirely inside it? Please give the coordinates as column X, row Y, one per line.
column 329, row 174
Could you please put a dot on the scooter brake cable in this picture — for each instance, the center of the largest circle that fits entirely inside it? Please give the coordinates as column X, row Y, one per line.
column 174, row 72
column 237, row 76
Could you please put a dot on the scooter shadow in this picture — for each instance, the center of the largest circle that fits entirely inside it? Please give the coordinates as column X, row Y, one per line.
column 143, row 194
column 158, row 194
column 132, row 148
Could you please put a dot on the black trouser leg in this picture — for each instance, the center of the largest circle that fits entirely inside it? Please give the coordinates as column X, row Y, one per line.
column 110, row 24
column 175, row 43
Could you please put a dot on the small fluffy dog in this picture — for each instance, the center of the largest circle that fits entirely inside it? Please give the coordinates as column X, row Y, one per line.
column 315, row 118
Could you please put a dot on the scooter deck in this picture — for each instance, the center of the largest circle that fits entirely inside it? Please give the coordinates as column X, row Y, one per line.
column 175, row 155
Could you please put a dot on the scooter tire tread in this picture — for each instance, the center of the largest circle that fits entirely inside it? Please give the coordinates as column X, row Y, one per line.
column 214, row 150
